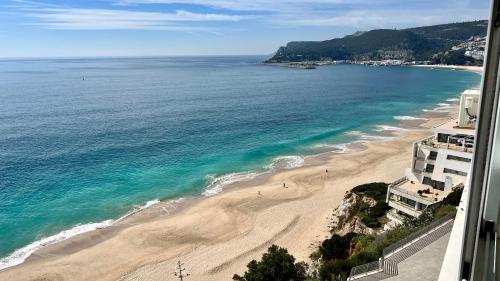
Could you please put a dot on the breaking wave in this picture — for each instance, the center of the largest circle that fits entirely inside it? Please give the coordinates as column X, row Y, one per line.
column 367, row 137
column 337, row 148
column 286, row 162
column 21, row 254
column 381, row 128
column 399, row 117
column 217, row 183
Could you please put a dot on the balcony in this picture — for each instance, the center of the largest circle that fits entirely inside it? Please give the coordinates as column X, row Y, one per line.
column 413, row 190
column 432, row 143
column 404, row 208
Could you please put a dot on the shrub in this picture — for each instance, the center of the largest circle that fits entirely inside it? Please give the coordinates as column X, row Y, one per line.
column 370, row 215
column 453, row 198
column 337, row 246
column 443, row 211
column 277, row 264
column 375, row 190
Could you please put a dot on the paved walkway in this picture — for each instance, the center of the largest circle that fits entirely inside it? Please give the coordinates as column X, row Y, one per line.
column 425, row 264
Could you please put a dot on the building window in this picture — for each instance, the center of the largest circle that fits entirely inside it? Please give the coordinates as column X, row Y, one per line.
column 442, row 138
column 429, row 168
column 435, row 184
column 433, row 155
column 427, row 181
column 407, row 201
column 455, row 172
column 458, row 158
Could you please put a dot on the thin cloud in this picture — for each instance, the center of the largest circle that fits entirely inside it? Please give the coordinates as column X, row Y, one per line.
column 361, row 14
column 118, row 19
column 246, row 5
column 344, row 13
column 366, row 19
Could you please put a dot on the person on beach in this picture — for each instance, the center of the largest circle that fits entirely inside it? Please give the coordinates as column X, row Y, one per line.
column 284, row 185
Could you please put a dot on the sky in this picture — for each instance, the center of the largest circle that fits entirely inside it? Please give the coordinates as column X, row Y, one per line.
column 78, row 28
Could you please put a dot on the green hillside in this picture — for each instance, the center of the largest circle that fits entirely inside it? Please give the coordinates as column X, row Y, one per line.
column 421, row 43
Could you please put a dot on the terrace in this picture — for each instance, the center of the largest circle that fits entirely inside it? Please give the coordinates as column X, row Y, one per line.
column 463, row 144
column 422, row 192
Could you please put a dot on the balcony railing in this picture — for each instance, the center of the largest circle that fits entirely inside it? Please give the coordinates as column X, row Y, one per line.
column 396, row 186
column 433, row 143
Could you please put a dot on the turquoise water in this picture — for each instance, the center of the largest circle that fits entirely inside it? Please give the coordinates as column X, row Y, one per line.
column 87, row 140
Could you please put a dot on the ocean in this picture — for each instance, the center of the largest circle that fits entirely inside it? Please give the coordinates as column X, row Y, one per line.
column 84, row 141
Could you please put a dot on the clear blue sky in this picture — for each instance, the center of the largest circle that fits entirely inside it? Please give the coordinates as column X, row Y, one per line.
column 50, row 28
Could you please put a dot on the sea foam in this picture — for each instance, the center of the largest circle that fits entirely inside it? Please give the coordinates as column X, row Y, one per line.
column 286, row 162
column 367, row 137
column 21, row 254
column 376, row 138
column 217, row 183
column 381, row 128
column 399, row 117
column 337, row 148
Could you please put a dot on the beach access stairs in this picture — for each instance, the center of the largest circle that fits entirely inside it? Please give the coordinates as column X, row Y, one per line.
column 387, row 265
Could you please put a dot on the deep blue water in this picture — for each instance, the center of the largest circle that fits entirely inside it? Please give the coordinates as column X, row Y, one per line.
column 75, row 151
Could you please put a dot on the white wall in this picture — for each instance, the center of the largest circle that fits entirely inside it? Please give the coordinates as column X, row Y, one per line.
column 442, row 162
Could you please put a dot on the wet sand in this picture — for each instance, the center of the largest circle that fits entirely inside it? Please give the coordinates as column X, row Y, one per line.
column 217, row 236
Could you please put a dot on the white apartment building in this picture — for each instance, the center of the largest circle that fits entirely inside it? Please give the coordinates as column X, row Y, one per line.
column 439, row 164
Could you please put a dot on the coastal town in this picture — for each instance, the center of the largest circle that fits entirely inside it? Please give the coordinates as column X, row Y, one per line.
column 473, row 47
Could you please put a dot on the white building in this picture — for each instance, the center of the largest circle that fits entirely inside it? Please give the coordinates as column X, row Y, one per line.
column 467, row 115
column 440, row 163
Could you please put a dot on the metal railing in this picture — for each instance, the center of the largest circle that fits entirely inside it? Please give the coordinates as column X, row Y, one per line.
column 426, row 230
column 428, row 200
column 432, row 142
column 398, row 182
column 366, row 269
column 376, row 270
column 387, row 265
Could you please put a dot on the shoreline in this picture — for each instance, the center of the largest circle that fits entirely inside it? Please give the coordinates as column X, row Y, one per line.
column 475, row 69
column 159, row 212
column 314, row 64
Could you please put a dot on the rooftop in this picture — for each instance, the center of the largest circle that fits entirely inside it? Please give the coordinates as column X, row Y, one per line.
column 450, row 127
column 433, row 142
column 413, row 187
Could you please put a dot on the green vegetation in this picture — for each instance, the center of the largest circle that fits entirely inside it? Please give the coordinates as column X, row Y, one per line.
column 370, row 216
column 337, row 247
column 338, row 254
column 421, row 43
column 277, row 265
column 341, row 253
column 454, row 57
column 453, row 198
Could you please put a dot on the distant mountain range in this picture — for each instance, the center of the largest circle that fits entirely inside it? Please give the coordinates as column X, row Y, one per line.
column 444, row 43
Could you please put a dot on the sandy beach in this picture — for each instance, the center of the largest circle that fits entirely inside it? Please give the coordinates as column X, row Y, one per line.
column 217, row 236
column 477, row 69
